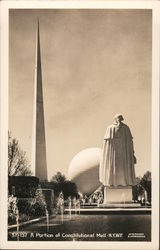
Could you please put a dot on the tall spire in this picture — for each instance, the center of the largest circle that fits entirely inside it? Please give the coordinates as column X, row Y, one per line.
column 39, row 162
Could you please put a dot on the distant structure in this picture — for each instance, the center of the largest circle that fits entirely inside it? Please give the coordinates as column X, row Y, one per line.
column 39, row 162
column 84, row 170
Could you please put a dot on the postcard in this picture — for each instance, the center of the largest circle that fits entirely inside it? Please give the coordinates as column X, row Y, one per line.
column 79, row 124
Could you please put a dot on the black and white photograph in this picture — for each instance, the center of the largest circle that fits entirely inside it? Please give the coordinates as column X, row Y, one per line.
column 80, row 120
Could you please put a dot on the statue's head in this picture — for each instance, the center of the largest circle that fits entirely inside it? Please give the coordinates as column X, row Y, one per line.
column 118, row 118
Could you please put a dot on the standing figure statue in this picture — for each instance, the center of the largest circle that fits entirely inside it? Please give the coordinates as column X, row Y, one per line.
column 117, row 158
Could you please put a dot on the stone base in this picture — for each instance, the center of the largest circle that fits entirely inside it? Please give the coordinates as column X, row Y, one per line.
column 120, row 194
column 118, row 197
column 120, row 205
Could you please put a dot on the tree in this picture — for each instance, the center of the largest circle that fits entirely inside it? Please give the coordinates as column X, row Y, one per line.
column 143, row 184
column 61, row 184
column 137, row 189
column 17, row 160
column 58, row 178
column 70, row 189
column 147, row 176
column 146, row 184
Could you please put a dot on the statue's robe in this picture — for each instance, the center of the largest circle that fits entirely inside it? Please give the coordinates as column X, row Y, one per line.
column 117, row 157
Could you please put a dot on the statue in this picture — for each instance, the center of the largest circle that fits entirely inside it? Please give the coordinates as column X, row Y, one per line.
column 117, row 157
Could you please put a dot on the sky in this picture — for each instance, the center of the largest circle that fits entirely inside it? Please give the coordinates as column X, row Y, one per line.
column 95, row 63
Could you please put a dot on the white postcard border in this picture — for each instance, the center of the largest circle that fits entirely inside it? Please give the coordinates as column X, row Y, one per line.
column 5, row 6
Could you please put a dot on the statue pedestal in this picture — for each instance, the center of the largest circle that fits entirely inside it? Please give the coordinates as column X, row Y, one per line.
column 117, row 194
column 120, row 196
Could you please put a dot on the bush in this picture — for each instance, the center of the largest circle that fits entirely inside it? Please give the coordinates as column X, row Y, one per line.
column 26, row 207
column 23, row 217
column 31, row 207
column 12, row 209
column 11, row 218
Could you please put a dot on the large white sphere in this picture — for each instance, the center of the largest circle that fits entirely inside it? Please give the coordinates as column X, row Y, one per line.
column 84, row 170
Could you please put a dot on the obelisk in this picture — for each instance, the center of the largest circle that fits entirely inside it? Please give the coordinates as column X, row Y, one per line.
column 39, row 163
